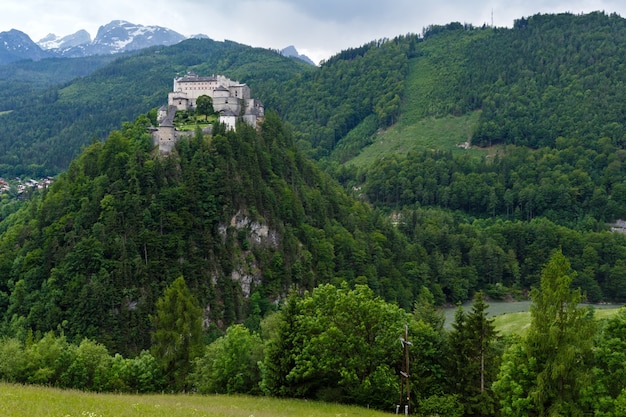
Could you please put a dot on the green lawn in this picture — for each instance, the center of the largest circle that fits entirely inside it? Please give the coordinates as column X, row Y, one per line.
column 29, row 401
column 514, row 317
column 194, row 122
column 519, row 322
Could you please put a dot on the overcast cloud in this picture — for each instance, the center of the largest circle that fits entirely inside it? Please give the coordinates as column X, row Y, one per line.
column 317, row 28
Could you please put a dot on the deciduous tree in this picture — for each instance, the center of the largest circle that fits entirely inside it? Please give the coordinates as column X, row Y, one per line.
column 204, row 105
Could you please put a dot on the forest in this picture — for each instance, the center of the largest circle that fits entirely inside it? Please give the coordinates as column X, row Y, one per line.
column 292, row 267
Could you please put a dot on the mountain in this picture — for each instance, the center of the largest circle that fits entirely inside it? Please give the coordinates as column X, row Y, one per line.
column 115, row 37
column 121, row 36
column 16, row 46
column 292, row 52
column 59, row 44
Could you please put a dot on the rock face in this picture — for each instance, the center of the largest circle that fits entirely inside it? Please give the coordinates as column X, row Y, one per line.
column 292, row 52
column 246, row 271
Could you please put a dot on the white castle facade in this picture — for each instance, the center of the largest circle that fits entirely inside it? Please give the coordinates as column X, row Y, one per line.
column 231, row 100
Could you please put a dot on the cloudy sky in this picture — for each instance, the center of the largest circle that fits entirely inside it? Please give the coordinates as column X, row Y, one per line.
column 318, row 28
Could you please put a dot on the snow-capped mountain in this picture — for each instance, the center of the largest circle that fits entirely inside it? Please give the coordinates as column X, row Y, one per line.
column 292, row 52
column 16, row 45
column 55, row 42
column 115, row 37
column 122, row 36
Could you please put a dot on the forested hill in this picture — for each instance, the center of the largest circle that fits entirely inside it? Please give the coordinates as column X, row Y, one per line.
column 244, row 217
column 549, row 76
column 541, row 105
column 44, row 124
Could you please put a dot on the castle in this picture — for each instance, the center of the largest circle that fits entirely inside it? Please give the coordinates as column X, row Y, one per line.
column 231, row 100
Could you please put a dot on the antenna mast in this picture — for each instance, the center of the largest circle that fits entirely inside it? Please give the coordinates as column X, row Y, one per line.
column 404, row 374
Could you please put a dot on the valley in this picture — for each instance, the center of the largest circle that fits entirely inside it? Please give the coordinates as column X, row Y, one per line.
column 286, row 257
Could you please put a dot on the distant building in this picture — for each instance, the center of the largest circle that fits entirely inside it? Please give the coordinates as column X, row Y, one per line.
column 227, row 95
column 231, row 100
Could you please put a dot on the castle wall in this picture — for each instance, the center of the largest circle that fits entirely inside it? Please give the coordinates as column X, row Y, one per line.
column 241, row 91
column 179, row 100
column 232, row 104
column 229, row 120
column 250, row 119
column 165, row 138
column 230, row 98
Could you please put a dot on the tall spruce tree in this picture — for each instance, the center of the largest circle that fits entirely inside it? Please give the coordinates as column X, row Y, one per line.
column 548, row 371
column 475, row 359
column 425, row 309
column 177, row 338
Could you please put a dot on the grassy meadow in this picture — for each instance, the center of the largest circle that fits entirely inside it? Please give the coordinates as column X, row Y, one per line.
column 29, row 401
column 429, row 133
column 514, row 317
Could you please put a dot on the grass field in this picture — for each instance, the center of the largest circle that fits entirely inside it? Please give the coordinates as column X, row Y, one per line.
column 428, row 133
column 30, row 401
column 514, row 317
column 416, row 129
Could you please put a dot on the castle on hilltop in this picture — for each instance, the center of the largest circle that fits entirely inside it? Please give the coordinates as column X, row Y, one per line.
column 231, row 100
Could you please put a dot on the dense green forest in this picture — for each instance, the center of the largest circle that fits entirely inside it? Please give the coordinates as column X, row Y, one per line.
column 121, row 224
column 281, row 248
column 340, row 344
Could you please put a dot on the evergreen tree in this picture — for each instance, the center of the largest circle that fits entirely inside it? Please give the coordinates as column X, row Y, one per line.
column 424, row 309
column 555, row 355
column 475, row 359
column 177, row 338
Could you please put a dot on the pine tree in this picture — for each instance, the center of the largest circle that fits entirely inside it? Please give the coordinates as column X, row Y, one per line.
column 547, row 372
column 561, row 341
column 424, row 309
column 177, row 338
column 474, row 358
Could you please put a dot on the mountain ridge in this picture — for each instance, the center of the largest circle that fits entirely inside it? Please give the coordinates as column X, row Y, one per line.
column 117, row 36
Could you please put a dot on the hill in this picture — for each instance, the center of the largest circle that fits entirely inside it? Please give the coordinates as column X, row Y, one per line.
column 243, row 216
column 53, row 124
column 121, row 224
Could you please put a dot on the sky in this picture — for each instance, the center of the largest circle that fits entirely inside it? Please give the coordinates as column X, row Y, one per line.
column 317, row 28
